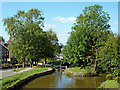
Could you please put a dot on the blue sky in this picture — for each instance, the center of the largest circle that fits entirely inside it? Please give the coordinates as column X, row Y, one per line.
column 59, row 15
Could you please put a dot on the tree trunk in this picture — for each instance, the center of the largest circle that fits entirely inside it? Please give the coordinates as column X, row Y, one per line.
column 45, row 60
column 37, row 62
column 31, row 62
column 95, row 60
column 24, row 64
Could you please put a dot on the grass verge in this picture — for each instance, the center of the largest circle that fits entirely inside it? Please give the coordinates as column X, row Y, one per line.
column 109, row 84
column 10, row 81
column 77, row 71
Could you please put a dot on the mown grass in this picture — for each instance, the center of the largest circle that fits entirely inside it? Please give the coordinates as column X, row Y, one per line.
column 9, row 81
column 17, row 70
column 109, row 84
column 87, row 71
column 77, row 70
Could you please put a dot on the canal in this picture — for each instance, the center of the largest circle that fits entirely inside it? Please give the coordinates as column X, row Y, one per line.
column 59, row 80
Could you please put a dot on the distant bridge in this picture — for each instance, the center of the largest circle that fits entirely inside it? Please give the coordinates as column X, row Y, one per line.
column 57, row 67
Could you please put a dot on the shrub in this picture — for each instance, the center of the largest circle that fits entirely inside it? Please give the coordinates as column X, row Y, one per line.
column 7, row 64
column 75, row 65
column 118, row 79
column 110, row 76
column 67, row 72
column 87, row 68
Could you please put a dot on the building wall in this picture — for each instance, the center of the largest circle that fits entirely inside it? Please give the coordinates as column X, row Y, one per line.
column 0, row 52
column 4, row 52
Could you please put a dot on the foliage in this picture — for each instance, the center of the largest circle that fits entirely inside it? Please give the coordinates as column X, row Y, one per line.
column 28, row 40
column 2, row 39
column 118, row 80
column 57, row 62
column 90, row 71
column 91, row 43
column 23, row 29
column 87, row 71
column 110, row 76
column 90, row 29
column 109, row 84
column 108, row 55
column 9, row 81
column 75, row 65
column 51, row 44
column 7, row 64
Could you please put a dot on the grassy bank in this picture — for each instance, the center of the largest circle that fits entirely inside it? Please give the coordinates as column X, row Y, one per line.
column 77, row 71
column 109, row 84
column 9, row 81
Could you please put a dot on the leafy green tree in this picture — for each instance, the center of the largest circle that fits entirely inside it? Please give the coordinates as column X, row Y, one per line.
column 90, row 29
column 23, row 28
column 108, row 55
column 51, row 45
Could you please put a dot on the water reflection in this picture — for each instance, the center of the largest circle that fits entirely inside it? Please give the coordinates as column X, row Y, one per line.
column 59, row 80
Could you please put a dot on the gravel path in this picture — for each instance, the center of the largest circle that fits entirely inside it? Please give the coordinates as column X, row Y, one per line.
column 7, row 73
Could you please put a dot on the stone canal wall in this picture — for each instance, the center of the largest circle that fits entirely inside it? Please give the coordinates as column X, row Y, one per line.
column 30, row 78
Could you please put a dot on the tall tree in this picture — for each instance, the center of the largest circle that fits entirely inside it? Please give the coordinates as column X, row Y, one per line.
column 108, row 55
column 22, row 29
column 51, row 45
column 90, row 29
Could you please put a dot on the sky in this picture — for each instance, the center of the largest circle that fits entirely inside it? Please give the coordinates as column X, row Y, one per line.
column 59, row 16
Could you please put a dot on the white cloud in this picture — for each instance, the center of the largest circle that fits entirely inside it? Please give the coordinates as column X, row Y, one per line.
column 116, row 23
column 48, row 26
column 63, row 36
column 65, row 20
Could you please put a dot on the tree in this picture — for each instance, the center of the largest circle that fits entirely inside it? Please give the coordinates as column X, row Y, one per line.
column 90, row 29
column 51, row 45
column 23, row 28
column 1, row 38
column 108, row 55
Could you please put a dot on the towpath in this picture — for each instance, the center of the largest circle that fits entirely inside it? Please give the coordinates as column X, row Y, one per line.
column 7, row 72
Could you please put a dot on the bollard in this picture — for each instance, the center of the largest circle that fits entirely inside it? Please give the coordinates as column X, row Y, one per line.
column 65, row 67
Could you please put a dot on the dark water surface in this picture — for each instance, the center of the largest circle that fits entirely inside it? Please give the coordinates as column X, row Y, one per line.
column 59, row 80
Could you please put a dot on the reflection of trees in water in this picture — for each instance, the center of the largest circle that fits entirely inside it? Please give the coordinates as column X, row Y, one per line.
column 44, row 81
column 59, row 80
column 89, row 82
column 65, row 82
column 60, row 75
column 70, row 84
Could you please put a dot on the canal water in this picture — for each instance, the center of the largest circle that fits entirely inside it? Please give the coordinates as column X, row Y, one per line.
column 59, row 80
